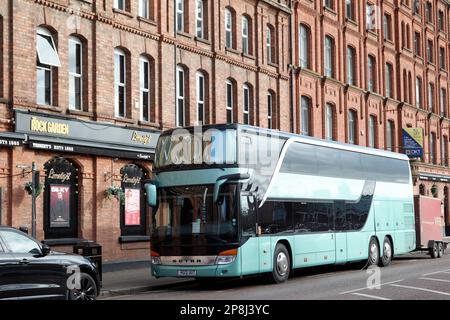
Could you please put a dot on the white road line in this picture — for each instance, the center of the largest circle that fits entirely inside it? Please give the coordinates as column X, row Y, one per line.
column 430, row 274
column 366, row 288
column 433, row 279
column 370, row 296
column 420, row 289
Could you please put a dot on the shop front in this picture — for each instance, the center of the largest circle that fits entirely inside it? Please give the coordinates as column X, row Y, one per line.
column 91, row 182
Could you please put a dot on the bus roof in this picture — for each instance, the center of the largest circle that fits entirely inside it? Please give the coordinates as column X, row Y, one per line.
column 301, row 138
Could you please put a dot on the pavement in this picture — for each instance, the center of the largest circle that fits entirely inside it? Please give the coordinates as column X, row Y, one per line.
column 413, row 277
column 131, row 277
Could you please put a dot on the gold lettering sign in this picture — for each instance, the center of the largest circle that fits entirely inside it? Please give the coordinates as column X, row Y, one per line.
column 141, row 138
column 63, row 176
column 134, row 180
column 38, row 125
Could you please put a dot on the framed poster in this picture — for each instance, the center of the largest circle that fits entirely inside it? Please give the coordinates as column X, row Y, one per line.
column 132, row 207
column 59, row 206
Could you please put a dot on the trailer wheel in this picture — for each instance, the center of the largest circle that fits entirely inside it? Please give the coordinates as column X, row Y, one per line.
column 386, row 258
column 434, row 252
column 374, row 253
column 440, row 250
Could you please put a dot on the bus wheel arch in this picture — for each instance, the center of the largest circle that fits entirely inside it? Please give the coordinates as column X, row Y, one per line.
column 281, row 266
column 289, row 249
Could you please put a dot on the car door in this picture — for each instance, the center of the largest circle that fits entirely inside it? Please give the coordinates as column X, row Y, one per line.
column 37, row 275
column 8, row 276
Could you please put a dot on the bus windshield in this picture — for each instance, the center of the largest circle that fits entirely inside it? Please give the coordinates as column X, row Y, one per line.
column 183, row 147
column 186, row 212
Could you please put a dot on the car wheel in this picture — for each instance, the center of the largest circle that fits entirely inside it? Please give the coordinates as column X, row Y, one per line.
column 87, row 291
column 434, row 252
column 386, row 257
column 281, row 265
column 374, row 253
column 440, row 250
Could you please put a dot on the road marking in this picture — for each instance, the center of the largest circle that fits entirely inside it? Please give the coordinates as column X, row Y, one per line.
column 430, row 274
column 433, row 279
column 370, row 296
column 420, row 289
column 369, row 288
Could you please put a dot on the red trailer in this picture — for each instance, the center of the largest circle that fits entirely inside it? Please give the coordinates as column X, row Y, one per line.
column 430, row 226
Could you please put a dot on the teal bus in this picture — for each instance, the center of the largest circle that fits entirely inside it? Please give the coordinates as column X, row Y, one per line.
column 236, row 200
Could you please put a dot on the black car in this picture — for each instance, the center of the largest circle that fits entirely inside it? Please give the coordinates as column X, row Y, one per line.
column 30, row 270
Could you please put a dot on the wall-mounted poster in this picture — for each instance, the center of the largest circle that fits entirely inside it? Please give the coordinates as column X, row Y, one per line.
column 59, row 206
column 132, row 207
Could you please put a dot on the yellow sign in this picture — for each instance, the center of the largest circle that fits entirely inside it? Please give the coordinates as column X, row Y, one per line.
column 416, row 134
column 49, row 126
column 141, row 138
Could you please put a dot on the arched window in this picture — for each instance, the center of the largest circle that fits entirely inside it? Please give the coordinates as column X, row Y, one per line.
column 230, row 30
column 246, row 103
column 247, row 41
column 372, row 134
column 371, row 74
column 121, row 83
column 329, row 121
column 305, row 46
column 390, row 135
column 305, row 114
column 76, row 72
column 230, row 100
column 351, row 63
column 145, row 88
column 270, row 109
column 352, row 127
column 329, row 57
column 200, row 18
column 47, row 62
column 201, row 97
column 181, row 96
column 270, row 44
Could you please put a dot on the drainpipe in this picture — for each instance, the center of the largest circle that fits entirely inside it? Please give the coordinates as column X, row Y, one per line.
column 291, row 67
column 175, row 56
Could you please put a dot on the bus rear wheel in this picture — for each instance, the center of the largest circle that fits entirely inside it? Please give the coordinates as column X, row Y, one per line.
column 281, row 265
column 440, row 250
column 434, row 252
column 374, row 253
column 386, row 258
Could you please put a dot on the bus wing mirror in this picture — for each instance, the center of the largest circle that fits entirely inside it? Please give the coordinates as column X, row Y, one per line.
column 222, row 180
column 150, row 188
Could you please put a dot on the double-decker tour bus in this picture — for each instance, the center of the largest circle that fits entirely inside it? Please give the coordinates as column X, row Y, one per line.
column 235, row 200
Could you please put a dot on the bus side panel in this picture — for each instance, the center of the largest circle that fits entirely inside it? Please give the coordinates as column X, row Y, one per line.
column 314, row 249
column 265, row 254
column 250, row 256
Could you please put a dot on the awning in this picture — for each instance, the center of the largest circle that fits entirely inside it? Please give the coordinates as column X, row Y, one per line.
column 87, row 147
column 11, row 139
column 433, row 177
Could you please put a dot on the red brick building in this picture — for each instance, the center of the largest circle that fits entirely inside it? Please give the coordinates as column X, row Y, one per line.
column 86, row 86
column 364, row 70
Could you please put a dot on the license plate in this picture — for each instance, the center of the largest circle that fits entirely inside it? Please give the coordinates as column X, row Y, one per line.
column 187, row 273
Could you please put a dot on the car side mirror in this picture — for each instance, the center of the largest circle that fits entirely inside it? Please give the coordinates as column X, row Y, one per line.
column 45, row 250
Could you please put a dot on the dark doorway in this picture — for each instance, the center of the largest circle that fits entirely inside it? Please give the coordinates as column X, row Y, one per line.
column 60, row 199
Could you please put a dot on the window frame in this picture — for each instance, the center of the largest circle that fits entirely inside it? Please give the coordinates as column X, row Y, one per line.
column 200, row 97
column 117, row 84
column 180, row 96
column 142, row 89
column 76, row 41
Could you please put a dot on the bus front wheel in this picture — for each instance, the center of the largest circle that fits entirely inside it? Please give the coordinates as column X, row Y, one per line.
column 374, row 253
column 281, row 264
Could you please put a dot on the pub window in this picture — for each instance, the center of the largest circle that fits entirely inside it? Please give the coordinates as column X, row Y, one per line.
column 60, row 199
column 305, row 46
column 201, row 19
column 247, row 35
column 123, row 5
column 271, row 44
column 270, row 100
column 350, row 9
column 230, row 99
column 201, row 98
column 181, row 97
column 390, row 135
column 75, row 74
column 246, row 101
column 46, row 64
column 144, row 88
column 305, row 114
column 120, row 84
column 351, row 63
column 230, row 30
column 180, row 15
column 372, row 131
column 329, row 122
column 329, row 57
column 133, row 219
column 352, row 127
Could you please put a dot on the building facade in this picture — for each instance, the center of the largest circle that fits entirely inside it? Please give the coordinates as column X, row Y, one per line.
column 382, row 66
column 86, row 86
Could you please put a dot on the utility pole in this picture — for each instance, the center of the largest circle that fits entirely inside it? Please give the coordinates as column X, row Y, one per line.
column 33, row 199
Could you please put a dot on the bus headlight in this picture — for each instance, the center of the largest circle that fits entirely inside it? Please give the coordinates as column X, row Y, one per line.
column 156, row 258
column 226, row 257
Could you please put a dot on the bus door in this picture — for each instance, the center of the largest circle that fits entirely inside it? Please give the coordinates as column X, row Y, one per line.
column 340, row 227
column 247, row 221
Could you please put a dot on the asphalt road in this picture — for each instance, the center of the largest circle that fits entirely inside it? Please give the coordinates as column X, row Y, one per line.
column 415, row 276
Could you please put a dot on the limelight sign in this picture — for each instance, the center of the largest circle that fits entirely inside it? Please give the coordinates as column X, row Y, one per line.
column 413, row 142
